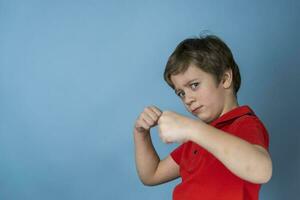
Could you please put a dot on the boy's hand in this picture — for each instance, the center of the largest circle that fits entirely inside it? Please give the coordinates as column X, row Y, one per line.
column 147, row 119
column 174, row 127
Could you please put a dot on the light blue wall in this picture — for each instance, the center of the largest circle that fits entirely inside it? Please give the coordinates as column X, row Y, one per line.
column 74, row 75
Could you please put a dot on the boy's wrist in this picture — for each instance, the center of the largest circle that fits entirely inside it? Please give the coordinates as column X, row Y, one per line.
column 195, row 131
column 141, row 134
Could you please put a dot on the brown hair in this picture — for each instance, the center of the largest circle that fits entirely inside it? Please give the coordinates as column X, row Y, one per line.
column 209, row 53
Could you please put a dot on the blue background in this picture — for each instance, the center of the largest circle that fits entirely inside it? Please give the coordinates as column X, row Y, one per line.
column 75, row 75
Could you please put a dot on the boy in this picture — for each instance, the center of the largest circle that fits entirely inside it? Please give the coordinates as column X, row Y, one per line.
column 223, row 155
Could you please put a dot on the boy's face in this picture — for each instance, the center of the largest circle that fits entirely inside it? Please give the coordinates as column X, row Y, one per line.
column 200, row 93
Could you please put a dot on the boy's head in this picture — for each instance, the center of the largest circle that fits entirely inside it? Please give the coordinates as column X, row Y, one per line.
column 207, row 58
column 209, row 54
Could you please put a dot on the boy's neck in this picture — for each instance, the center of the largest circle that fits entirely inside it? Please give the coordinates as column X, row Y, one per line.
column 231, row 104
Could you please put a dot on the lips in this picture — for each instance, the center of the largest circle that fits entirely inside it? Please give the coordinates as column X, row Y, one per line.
column 196, row 109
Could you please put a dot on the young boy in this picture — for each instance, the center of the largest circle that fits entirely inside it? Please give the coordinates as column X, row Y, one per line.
column 223, row 155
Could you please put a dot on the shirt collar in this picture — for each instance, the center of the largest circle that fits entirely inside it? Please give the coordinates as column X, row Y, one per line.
column 233, row 114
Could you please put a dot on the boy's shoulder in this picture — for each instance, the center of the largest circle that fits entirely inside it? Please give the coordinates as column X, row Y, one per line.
column 248, row 120
column 251, row 129
column 236, row 115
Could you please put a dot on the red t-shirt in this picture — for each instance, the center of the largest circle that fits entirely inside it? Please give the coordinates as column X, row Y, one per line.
column 206, row 178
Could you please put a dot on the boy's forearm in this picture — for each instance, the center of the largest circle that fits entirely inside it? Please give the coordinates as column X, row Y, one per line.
column 239, row 156
column 146, row 157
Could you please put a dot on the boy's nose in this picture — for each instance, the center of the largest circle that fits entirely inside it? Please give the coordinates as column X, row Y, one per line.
column 189, row 99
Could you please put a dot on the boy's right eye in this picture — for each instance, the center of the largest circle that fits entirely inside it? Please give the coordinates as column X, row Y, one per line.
column 180, row 94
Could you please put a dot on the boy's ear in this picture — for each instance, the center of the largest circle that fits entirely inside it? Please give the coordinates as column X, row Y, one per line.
column 227, row 79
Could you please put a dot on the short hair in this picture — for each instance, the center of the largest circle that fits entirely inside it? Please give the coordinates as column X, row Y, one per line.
column 209, row 53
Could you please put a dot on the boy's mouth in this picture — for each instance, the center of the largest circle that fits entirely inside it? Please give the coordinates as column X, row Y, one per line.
column 196, row 109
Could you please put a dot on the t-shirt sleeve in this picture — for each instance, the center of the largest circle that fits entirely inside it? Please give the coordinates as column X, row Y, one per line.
column 176, row 154
column 252, row 130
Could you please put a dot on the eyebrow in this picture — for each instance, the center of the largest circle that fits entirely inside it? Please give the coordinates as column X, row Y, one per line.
column 176, row 90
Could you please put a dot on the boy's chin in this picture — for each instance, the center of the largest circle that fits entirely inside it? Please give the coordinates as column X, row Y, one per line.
column 203, row 119
column 199, row 117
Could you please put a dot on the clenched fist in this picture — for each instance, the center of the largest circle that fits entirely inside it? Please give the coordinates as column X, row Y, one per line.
column 174, row 127
column 147, row 119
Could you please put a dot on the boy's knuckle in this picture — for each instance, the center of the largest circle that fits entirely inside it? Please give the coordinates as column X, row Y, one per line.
column 143, row 116
column 167, row 112
column 159, row 120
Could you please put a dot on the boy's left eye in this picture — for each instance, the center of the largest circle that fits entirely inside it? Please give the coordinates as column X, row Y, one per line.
column 194, row 85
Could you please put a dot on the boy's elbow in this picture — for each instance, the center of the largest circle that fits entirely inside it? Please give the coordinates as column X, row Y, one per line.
column 264, row 179
column 266, row 173
column 263, row 168
column 147, row 182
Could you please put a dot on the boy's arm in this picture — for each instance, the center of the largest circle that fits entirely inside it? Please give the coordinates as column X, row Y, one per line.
column 152, row 170
column 248, row 161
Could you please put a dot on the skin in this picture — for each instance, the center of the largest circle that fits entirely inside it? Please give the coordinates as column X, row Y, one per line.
column 197, row 88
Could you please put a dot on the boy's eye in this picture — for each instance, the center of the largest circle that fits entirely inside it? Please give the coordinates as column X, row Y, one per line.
column 180, row 94
column 194, row 85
